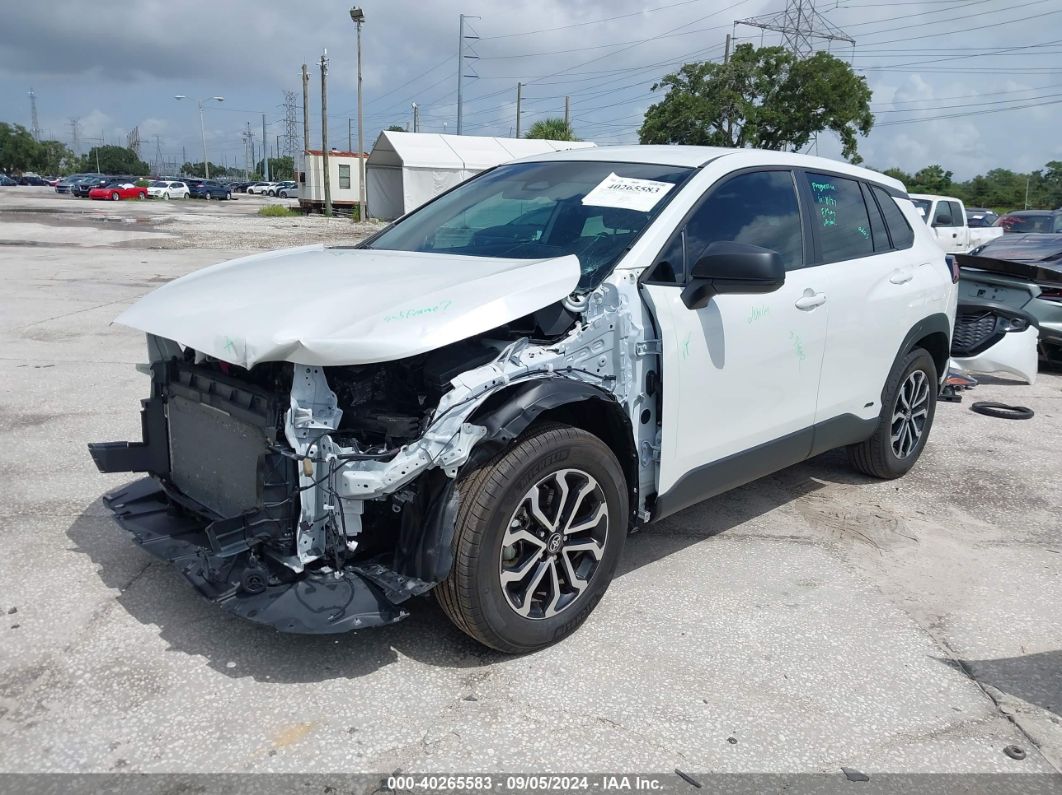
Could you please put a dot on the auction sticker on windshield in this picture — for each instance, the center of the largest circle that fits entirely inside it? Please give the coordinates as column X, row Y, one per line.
column 627, row 193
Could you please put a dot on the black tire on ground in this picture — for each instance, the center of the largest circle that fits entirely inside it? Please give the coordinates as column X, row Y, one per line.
column 496, row 494
column 880, row 455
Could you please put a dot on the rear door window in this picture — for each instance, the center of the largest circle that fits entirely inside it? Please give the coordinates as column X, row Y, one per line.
column 840, row 215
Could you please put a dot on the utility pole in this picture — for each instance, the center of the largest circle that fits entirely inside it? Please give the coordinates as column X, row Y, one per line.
column 461, row 58
column 726, row 51
column 305, row 115
column 357, row 16
column 324, row 134
column 265, row 150
column 350, row 135
column 36, row 128
column 416, row 117
column 519, row 97
column 567, row 111
column 1027, row 178
column 75, row 128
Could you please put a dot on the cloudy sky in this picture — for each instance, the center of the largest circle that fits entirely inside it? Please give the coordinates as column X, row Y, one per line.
column 970, row 84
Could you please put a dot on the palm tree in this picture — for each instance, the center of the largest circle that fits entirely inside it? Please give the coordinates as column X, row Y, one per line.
column 552, row 129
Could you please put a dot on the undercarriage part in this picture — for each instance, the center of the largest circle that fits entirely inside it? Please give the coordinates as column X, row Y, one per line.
column 1002, row 410
column 981, row 324
column 319, row 602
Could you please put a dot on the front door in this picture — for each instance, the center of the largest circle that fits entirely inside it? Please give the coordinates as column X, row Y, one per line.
column 740, row 375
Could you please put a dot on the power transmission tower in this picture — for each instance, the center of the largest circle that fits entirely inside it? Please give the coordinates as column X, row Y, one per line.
column 801, row 27
column 158, row 156
column 290, row 136
column 75, row 127
column 36, row 129
column 132, row 141
column 465, row 52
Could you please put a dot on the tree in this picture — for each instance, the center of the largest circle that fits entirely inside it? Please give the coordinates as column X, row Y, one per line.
column 279, row 168
column 114, row 160
column 54, row 157
column 899, row 174
column 196, row 170
column 396, row 128
column 762, row 97
column 18, row 150
column 1053, row 184
column 555, row 129
column 931, row 179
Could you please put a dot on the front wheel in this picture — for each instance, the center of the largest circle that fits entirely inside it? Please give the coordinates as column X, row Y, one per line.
column 909, row 403
column 166, row 196
column 537, row 539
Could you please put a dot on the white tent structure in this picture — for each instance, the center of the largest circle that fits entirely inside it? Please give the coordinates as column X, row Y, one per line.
column 407, row 169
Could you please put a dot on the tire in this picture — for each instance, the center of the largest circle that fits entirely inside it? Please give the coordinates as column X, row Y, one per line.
column 115, row 196
column 526, row 613
column 898, row 440
column 141, row 196
column 166, row 195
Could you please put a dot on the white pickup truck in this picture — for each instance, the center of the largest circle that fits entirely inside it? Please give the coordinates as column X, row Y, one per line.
column 946, row 216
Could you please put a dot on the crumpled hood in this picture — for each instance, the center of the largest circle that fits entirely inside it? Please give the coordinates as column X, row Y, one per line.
column 343, row 306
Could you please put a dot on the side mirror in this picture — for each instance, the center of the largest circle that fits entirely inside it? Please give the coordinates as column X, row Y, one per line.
column 729, row 267
column 942, row 219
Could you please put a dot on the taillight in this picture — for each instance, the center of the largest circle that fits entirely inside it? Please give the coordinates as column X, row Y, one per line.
column 1051, row 294
column 953, row 264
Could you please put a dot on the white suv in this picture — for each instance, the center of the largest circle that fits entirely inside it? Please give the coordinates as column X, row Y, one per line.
column 485, row 397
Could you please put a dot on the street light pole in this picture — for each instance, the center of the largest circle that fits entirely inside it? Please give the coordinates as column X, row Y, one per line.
column 202, row 128
column 358, row 17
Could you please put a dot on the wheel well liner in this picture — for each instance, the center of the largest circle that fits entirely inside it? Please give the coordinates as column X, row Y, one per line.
column 424, row 547
column 933, row 333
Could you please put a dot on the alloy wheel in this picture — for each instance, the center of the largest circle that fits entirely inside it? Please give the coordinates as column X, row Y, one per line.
column 910, row 413
column 553, row 544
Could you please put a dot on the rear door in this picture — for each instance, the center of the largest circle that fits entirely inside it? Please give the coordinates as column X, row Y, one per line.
column 875, row 281
column 740, row 374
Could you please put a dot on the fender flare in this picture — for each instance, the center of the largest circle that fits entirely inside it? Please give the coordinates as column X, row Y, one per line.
column 424, row 548
column 931, row 324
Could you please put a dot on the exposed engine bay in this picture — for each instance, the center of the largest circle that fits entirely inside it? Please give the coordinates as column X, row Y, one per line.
column 320, row 498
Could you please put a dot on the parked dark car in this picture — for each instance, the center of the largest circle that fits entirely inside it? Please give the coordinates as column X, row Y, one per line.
column 82, row 187
column 208, row 189
column 1032, row 221
column 66, row 184
column 6, row 181
column 979, row 217
column 240, row 187
column 33, row 180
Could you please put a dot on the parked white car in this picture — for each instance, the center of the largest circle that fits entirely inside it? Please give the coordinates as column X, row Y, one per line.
column 288, row 189
column 263, row 188
column 487, row 396
column 167, row 189
column 946, row 216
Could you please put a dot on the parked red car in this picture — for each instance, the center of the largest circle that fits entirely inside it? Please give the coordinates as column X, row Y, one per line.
column 117, row 189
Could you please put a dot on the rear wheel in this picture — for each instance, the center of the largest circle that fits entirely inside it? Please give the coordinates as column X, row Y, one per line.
column 538, row 535
column 115, row 196
column 909, row 403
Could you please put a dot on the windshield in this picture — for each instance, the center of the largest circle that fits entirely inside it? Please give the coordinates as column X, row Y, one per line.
column 593, row 210
column 923, row 206
column 160, row 184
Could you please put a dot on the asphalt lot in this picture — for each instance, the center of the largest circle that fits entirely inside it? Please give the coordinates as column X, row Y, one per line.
column 808, row 621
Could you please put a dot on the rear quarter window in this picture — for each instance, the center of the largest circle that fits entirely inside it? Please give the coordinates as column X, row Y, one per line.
column 899, row 230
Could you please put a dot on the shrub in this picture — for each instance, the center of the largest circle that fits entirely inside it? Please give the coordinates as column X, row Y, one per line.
column 277, row 211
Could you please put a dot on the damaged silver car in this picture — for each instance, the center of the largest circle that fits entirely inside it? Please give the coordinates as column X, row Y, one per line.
column 485, row 397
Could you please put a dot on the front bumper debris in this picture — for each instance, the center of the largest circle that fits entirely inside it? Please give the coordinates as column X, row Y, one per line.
column 311, row 603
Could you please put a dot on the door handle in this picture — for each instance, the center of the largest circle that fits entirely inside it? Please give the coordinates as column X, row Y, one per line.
column 901, row 277
column 810, row 299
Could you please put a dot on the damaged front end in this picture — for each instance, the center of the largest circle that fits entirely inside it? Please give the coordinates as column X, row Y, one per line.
column 320, row 499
